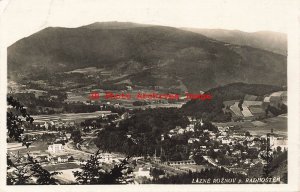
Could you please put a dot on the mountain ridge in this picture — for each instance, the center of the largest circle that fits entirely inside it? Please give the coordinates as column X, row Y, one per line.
column 267, row 40
column 170, row 55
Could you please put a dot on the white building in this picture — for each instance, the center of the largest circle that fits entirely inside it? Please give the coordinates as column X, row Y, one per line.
column 143, row 172
column 275, row 142
column 55, row 148
column 190, row 128
column 192, row 140
column 46, row 125
column 181, row 131
column 107, row 158
column 226, row 141
column 62, row 159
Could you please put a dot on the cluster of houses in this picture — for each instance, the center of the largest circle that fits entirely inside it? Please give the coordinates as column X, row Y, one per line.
column 228, row 139
column 48, row 122
column 178, row 130
column 55, row 136
column 108, row 158
column 55, row 154
column 276, row 142
column 46, row 158
column 45, row 124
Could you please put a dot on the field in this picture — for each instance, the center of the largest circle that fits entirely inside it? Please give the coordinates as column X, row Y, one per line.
column 67, row 175
column 87, row 70
column 36, row 146
column 61, row 166
column 278, row 124
column 77, row 98
column 69, row 116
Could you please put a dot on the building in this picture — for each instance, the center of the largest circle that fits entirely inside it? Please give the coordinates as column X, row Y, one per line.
column 55, row 148
column 54, row 160
column 143, row 172
column 106, row 158
column 186, row 162
column 42, row 158
column 62, row 158
column 34, row 154
column 277, row 142
column 177, row 130
column 125, row 116
column 276, row 99
column 59, row 159
column 46, row 125
column 181, row 131
column 190, row 128
column 226, row 141
column 192, row 140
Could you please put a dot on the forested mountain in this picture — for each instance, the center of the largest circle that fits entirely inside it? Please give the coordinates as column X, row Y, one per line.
column 146, row 55
column 267, row 40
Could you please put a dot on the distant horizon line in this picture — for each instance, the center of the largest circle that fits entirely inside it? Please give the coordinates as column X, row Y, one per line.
column 183, row 27
column 146, row 24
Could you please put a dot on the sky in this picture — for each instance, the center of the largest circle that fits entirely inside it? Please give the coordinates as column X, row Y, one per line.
column 21, row 18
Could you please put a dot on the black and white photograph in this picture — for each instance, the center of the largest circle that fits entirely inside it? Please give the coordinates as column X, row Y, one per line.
column 147, row 93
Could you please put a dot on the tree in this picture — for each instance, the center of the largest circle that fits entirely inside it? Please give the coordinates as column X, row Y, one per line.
column 198, row 158
column 176, row 156
column 16, row 174
column 278, row 149
column 76, row 136
column 268, row 157
column 14, row 122
column 94, row 173
column 155, row 172
column 18, row 171
column 43, row 176
column 86, row 129
column 163, row 158
column 71, row 158
column 26, row 143
column 240, row 105
column 247, row 134
column 256, row 170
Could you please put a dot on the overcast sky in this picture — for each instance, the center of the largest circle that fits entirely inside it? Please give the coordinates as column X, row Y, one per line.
column 22, row 18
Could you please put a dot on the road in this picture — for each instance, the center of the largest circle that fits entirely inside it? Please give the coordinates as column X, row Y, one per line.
column 74, row 151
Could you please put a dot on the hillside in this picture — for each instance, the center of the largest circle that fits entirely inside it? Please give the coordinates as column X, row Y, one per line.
column 145, row 56
column 235, row 91
column 113, row 25
column 267, row 40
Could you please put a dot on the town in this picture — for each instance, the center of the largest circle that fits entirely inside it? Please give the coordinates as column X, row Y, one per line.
column 64, row 142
